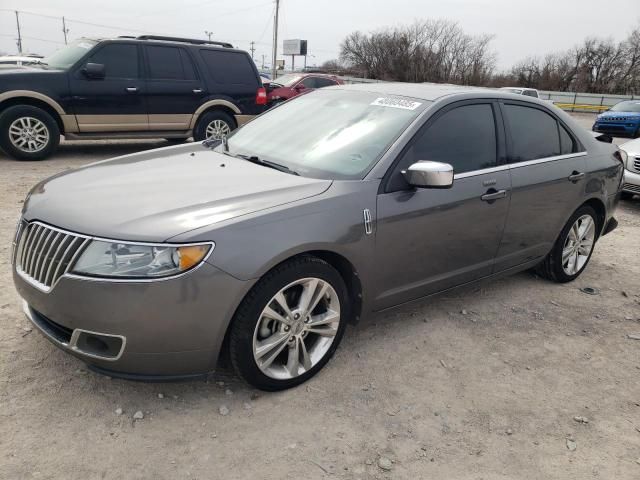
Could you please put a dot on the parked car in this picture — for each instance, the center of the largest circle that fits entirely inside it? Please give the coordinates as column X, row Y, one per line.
column 293, row 84
column 144, row 87
column 529, row 92
column 623, row 118
column 631, row 152
column 342, row 202
column 8, row 61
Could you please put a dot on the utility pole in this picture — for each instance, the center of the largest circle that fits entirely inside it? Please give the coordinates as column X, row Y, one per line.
column 208, row 34
column 253, row 49
column 65, row 30
column 274, row 57
column 263, row 61
column 19, row 34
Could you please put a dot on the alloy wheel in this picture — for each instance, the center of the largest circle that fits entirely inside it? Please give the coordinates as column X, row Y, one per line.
column 296, row 328
column 578, row 245
column 28, row 134
column 217, row 129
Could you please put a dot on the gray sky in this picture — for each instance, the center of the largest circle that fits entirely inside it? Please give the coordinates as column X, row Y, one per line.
column 521, row 28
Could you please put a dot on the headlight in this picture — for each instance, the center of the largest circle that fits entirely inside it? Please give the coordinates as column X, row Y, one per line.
column 139, row 260
column 624, row 158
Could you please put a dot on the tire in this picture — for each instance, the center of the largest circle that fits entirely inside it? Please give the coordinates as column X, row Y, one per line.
column 42, row 129
column 626, row 195
column 552, row 267
column 211, row 117
column 250, row 328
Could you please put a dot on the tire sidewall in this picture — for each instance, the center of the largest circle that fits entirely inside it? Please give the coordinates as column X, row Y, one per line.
column 247, row 316
column 199, row 133
column 10, row 115
column 556, row 254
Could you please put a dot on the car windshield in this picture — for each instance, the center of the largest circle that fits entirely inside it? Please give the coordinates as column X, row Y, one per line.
column 330, row 134
column 626, row 107
column 68, row 55
column 287, row 80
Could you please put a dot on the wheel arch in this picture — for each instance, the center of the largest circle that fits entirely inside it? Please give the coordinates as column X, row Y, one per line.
column 221, row 105
column 601, row 212
column 38, row 100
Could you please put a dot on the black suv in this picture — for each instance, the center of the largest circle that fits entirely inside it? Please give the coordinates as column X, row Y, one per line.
column 126, row 87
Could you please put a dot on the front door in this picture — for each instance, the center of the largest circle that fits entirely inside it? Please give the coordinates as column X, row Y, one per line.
column 174, row 91
column 116, row 102
column 428, row 240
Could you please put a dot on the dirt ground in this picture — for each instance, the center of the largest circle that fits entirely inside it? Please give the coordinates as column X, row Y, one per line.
column 483, row 383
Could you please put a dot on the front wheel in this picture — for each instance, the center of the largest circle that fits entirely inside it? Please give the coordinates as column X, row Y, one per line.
column 573, row 248
column 28, row 133
column 289, row 325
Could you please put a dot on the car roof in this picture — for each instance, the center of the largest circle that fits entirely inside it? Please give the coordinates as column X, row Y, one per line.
column 151, row 40
column 427, row 91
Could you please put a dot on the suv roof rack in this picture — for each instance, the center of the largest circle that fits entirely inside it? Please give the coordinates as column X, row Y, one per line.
column 194, row 41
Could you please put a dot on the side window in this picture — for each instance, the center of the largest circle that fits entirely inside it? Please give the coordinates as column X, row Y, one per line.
column 440, row 142
column 533, row 133
column 230, row 68
column 324, row 82
column 169, row 63
column 567, row 144
column 119, row 60
column 310, row 82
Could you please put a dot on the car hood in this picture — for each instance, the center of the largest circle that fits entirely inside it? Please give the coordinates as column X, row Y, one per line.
column 619, row 115
column 158, row 194
column 632, row 147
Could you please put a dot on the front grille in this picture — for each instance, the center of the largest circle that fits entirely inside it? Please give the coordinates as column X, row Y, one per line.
column 636, row 164
column 46, row 253
column 629, row 187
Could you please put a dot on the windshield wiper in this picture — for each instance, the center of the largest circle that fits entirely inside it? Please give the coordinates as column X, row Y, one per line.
column 266, row 163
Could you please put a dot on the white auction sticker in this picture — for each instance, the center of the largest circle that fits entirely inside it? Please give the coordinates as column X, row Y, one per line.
column 396, row 103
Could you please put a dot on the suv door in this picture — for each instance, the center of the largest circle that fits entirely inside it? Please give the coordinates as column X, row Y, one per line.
column 174, row 91
column 114, row 103
column 547, row 165
column 428, row 240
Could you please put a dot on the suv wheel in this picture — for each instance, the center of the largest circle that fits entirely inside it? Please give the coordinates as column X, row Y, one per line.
column 289, row 325
column 28, row 133
column 213, row 124
column 572, row 251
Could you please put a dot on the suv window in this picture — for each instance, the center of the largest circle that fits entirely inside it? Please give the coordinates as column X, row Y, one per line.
column 533, row 133
column 169, row 63
column 324, row 82
column 119, row 60
column 440, row 142
column 229, row 67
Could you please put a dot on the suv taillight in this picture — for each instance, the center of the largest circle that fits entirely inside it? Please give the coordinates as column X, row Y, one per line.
column 261, row 96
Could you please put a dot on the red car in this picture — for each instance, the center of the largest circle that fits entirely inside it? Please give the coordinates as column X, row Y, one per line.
column 293, row 84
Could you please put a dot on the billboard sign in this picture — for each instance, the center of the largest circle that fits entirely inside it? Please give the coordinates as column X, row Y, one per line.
column 294, row 47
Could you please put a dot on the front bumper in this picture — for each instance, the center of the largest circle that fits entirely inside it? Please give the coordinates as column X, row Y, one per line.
column 166, row 329
column 631, row 182
column 616, row 128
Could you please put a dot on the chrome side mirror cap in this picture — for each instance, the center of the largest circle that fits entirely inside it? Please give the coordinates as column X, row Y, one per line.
column 427, row 174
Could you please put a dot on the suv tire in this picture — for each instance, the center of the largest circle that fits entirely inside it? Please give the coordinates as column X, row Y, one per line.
column 298, row 352
column 213, row 124
column 572, row 251
column 28, row 133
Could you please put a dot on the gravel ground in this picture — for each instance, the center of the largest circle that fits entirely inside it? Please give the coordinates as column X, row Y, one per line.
column 518, row 378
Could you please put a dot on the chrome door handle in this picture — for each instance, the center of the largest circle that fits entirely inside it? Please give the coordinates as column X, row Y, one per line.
column 132, row 89
column 197, row 90
column 576, row 176
column 493, row 195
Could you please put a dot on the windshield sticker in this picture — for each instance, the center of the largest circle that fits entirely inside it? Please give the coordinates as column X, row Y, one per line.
column 84, row 45
column 396, row 103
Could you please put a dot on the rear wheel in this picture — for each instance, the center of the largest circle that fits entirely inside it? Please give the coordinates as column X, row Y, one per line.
column 289, row 325
column 28, row 133
column 573, row 248
column 214, row 124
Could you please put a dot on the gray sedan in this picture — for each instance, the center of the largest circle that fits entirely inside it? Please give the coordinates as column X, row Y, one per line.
column 342, row 202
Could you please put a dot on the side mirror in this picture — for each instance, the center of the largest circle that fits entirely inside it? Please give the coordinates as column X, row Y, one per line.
column 94, row 70
column 426, row 174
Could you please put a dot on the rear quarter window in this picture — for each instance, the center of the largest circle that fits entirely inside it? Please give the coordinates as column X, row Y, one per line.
column 230, row 68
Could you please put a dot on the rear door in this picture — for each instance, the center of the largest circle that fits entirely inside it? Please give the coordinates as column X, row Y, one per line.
column 547, row 165
column 174, row 89
column 428, row 240
column 116, row 102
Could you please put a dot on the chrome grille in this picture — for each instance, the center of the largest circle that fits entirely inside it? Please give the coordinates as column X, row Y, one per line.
column 636, row 164
column 629, row 187
column 43, row 253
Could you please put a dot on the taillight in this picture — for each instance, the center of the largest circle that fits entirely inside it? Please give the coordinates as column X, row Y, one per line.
column 261, row 96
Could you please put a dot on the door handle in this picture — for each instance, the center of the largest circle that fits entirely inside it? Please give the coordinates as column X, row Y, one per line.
column 576, row 176
column 197, row 90
column 493, row 195
column 132, row 89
